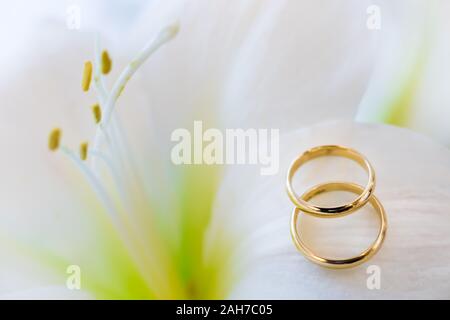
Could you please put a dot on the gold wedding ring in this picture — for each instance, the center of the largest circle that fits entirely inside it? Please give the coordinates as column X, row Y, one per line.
column 365, row 194
column 331, row 150
column 339, row 263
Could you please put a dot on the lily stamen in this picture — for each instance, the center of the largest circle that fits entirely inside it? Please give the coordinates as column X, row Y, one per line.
column 106, row 62
column 87, row 75
column 114, row 155
column 84, row 151
column 54, row 139
column 97, row 112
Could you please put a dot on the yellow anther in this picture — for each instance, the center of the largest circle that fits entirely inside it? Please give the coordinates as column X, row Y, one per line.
column 97, row 112
column 83, row 151
column 53, row 139
column 106, row 62
column 87, row 75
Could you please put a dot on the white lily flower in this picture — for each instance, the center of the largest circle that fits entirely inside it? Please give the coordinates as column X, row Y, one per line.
column 139, row 227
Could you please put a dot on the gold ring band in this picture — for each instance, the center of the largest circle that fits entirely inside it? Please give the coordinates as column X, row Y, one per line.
column 339, row 263
column 331, row 150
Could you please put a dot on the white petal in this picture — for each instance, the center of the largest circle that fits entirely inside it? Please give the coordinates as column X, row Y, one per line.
column 301, row 62
column 413, row 185
column 409, row 82
column 260, row 63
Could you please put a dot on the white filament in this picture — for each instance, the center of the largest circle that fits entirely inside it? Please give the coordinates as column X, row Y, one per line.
column 107, row 106
column 94, row 182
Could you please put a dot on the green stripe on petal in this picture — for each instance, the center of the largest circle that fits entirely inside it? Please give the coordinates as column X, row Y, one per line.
column 399, row 109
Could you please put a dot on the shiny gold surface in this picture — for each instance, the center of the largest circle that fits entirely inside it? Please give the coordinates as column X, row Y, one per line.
column 330, row 150
column 339, row 263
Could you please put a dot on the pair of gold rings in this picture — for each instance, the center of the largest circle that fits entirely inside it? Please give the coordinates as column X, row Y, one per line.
column 365, row 194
